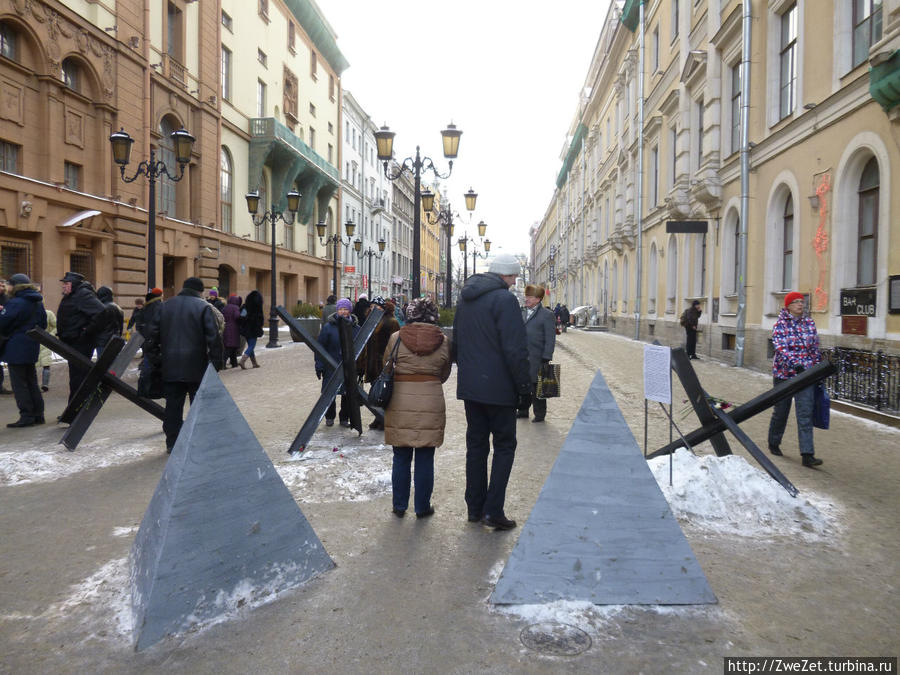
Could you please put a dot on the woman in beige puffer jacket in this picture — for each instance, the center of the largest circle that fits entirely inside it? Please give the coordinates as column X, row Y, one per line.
column 415, row 418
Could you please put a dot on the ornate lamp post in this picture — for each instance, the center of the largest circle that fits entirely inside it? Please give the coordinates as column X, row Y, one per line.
column 384, row 139
column 335, row 239
column 369, row 253
column 293, row 200
column 153, row 169
column 444, row 218
column 464, row 247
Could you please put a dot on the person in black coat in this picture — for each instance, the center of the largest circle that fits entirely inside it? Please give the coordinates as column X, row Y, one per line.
column 489, row 347
column 113, row 319
column 3, row 300
column 135, row 313
column 690, row 320
column 361, row 308
column 251, row 320
column 564, row 318
column 331, row 341
column 21, row 313
column 540, row 329
column 182, row 340
column 79, row 319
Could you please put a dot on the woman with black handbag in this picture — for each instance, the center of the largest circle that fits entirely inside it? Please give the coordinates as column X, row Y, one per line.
column 415, row 418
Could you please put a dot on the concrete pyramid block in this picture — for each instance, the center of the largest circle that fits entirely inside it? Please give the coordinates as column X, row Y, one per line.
column 601, row 530
column 222, row 529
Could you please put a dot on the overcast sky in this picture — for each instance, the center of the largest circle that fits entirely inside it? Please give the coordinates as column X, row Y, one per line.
column 507, row 73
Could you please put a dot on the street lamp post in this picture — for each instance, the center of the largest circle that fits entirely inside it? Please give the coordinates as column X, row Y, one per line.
column 384, row 139
column 464, row 247
column 369, row 253
column 335, row 239
column 444, row 218
column 153, row 169
column 293, row 200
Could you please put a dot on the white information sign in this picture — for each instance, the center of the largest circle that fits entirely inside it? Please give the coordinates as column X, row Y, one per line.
column 657, row 381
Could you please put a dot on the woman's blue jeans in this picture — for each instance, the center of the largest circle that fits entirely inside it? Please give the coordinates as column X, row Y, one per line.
column 251, row 345
column 804, row 400
column 424, row 477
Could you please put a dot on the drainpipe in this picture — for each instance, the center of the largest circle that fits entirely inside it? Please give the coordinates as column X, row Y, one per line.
column 640, row 178
column 741, row 319
column 583, row 205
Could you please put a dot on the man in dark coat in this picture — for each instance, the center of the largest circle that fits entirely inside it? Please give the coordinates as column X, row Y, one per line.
column 21, row 313
column 3, row 300
column 690, row 320
column 329, row 308
column 489, row 347
column 183, row 339
column 331, row 341
column 79, row 319
column 135, row 313
column 113, row 318
column 540, row 329
column 564, row 317
column 231, row 337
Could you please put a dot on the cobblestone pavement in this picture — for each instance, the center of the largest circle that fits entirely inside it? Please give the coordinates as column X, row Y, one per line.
column 410, row 596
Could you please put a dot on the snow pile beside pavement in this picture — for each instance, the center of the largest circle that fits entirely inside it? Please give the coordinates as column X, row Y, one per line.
column 730, row 496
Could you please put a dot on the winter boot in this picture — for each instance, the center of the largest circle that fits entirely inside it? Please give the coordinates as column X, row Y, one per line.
column 243, row 361
column 253, row 361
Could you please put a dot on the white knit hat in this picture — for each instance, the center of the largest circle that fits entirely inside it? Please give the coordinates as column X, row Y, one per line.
column 504, row 264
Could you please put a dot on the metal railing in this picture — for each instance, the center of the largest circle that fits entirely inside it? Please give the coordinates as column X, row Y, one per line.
column 870, row 379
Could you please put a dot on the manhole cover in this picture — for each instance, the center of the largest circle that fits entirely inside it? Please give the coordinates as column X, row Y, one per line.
column 557, row 639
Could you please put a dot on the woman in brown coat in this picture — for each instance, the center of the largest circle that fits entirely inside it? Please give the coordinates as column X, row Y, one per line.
column 414, row 420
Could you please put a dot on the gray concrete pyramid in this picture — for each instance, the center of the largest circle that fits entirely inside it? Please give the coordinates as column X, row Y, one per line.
column 221, row 529
column 601, row 530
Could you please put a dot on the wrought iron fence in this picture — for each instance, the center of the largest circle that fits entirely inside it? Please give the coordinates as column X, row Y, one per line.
column 867, row 378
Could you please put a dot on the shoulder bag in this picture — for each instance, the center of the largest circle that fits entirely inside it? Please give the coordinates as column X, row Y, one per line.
column 548, row 381
column 383, row 386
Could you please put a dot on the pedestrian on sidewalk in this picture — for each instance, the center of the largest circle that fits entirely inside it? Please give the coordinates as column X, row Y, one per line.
column 135, row 313
column 415, row 418
column 231, row 337
column 183, row 340
column 113, row 321
column 329, row 308
column 79, row 319
column 251, row 325
column 690, row 319
column 372, row 357
column 3, row 301
column 490, row 349
column 331, row 342
column 540, row 331
column 796, row 343
column 23, row 311
column 564, row 317
column 45, row 355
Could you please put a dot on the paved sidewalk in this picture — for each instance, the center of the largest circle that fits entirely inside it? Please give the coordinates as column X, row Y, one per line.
column 411, row 596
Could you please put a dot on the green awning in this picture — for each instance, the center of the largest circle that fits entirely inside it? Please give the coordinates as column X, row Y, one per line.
column 884, row 82
column 631, row 14
column 574, row 149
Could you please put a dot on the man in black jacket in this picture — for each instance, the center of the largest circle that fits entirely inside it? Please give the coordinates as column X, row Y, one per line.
column 489, row 347
column 540, row 329
column 79, row 319
column 182, row 339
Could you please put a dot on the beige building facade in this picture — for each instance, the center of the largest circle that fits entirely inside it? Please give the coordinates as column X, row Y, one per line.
column 823, row 158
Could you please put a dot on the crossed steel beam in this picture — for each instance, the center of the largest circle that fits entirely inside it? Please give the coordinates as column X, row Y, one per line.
column 341, row 372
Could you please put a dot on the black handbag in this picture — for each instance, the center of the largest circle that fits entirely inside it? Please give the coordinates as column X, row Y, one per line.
column 383, row 387
column 548, row 381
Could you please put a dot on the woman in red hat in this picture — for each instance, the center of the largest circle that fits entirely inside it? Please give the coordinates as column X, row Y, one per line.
column 796, row 344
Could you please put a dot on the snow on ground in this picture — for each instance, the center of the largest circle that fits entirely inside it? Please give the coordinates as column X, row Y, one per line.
column 727, row 495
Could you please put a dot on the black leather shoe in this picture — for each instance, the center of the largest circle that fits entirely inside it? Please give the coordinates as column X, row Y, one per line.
column 522, row 414
column 425, row 514
column 538, row 419
column 329, row 423
column 39, row 419
column 475, row 517
column 811, row 460
column 775, row 450
column 345, row 423
column 499, row 522
column 398, row 512
column 20, row 423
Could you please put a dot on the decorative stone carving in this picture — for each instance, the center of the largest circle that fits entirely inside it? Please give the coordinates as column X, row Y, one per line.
column 12, row 102
column 74, row 128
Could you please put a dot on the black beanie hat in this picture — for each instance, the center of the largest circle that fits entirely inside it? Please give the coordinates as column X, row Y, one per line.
column 194, row 284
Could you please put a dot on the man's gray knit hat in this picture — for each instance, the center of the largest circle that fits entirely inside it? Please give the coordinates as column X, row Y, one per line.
column 504, row 264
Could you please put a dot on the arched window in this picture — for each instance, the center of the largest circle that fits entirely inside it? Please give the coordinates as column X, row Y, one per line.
column 787, row 245
column 653, row 279
column 671, row 274
column 261, row 232
column 166, row 201
column 625, row 297
column 867, row 241
column 9, row 42
column 70, row 74
column 614, row 287
column 731, row 253
column 227, row 197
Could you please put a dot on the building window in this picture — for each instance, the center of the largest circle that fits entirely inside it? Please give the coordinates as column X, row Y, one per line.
column 174, row 32
column 70, row 75
column 787, row 245
column 736, row 261
column 330, row 153
column 73, row 176
column 675, row 19
column 262, row 58
column 654, row 50
column 226, row 73
column 331, row 87
column 289, row 236
column 15, row 258
column 8, row 42
column 260, row 98
column 82, row 262
column 227, row 197
column 227, row 22
column 313, row 65
column 312, row 110
column 736, row 108
column 867, row 250
column 866, row 28
column 291, row 95
column 653, row 192
column 312, row 139
column 671, row 274
column 699, row 132
column 292, row 36
column 788, row 63
column 673, row 156
column 9, row 157
column 264, row 9
column 331, row 128
column 165, row 189
column 260, row 230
